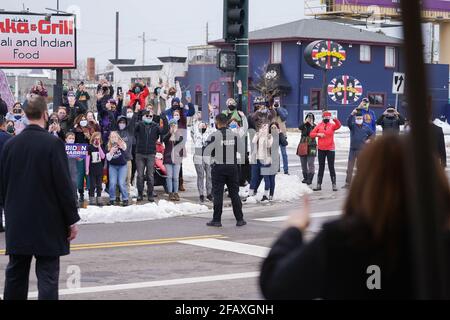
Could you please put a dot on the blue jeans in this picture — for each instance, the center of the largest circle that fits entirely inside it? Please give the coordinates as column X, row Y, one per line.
column 172, row 180
column 256, row 178
column 118, row 176
column 269, row 181
column 285, row 159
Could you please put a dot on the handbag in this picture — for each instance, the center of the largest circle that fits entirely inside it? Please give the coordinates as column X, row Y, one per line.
column 302, row 149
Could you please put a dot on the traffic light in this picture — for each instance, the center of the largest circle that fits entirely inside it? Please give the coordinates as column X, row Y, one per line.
column 235, row 20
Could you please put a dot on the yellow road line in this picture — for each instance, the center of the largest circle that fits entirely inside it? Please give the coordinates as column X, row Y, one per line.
column 134, row 243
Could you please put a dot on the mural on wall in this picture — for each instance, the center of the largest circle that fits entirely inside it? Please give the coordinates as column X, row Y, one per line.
column 5, row 90
column 325, row 54
column 345, row 90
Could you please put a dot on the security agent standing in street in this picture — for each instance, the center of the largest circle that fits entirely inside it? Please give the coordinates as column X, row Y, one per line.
column 42, row 223
column 223, row 148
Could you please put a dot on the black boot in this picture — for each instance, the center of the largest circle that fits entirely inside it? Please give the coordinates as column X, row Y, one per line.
column 140, row 197
column 310, row 179
column 318, row 188
column 305, row 177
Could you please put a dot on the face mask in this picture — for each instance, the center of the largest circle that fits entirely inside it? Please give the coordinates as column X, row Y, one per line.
column 359, row 121
column 137, row 90
column 83, row 123
column 147, row 120
column 177, row 118
column 175, row 106
column 122, row 126
column 326, row 120
column 203, row 130
column 10, row 129
column 18, row 117
column 233, row 126
column 130, row 115
column 232, row 107
column 70, row 141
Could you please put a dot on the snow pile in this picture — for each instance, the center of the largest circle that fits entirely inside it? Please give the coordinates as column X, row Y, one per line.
column 287, row 188
column 151, row 211
column 444, row 125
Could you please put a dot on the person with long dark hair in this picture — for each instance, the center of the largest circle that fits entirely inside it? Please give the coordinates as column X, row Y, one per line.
column 374, row 233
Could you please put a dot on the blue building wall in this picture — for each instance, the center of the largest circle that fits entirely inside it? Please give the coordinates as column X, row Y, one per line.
column 374, row 77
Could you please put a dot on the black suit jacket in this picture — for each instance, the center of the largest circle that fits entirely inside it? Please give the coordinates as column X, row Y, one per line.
column 334, row 266
column 438, row 136
column 37, row 193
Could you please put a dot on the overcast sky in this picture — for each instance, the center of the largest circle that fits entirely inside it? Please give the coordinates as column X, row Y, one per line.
column 175, row 24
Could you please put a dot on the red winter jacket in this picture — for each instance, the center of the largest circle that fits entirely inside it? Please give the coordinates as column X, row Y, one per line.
column 327, row 142
column 140, row 98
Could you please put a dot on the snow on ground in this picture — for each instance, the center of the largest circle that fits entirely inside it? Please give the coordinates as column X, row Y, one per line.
column 444, row 125
column 287, row 188
column 151, row 211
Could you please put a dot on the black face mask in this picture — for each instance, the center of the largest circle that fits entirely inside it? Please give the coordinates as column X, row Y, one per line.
column 203, row 130
column 232, row 107
column 176, row 106
column 326, row 120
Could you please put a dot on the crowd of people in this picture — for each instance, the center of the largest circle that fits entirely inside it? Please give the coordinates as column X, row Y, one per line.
column 140, row 140
column 127, row 140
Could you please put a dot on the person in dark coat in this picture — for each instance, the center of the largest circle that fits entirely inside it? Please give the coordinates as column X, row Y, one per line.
column 3, row 107
column 147, row 134
column 4, row 136
column 308, row 159
column 367, row 253
column 360, row 133
column 391, row 120
column 40, row 207
column 438, row 136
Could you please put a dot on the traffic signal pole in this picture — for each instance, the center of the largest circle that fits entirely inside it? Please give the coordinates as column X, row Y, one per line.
column 242, row 50
column 235, row 32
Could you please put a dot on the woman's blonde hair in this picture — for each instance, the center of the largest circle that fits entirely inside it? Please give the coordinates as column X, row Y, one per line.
column 94, row 136
column 119, row 138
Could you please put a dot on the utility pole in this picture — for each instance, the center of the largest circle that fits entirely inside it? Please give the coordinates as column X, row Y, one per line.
column 144, row 43
column 144, row 40
column 207, row 33
column 117, row 35
column 58, row 88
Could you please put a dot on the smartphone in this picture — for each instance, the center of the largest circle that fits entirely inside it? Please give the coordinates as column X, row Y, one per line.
column 188, row 94
column 119, row 91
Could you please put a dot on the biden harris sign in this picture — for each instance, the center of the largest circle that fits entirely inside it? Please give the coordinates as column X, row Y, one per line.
column 37, row 41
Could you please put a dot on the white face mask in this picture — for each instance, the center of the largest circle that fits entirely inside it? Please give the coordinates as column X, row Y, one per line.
column 177, row 118
column 130, row 115
column 359, row 121
column 83, row 123
column 122, row 126
column 70, row 141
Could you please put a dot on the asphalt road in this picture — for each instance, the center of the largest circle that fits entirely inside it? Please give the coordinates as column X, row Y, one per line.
column 181, row 258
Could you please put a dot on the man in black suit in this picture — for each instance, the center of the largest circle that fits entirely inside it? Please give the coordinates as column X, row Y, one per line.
column 4, row 136
column 3, row 107
column 438, row 136
column 40, row 207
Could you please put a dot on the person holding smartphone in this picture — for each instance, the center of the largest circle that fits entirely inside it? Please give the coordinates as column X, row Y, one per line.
column 82, row 96
column 368, row 115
